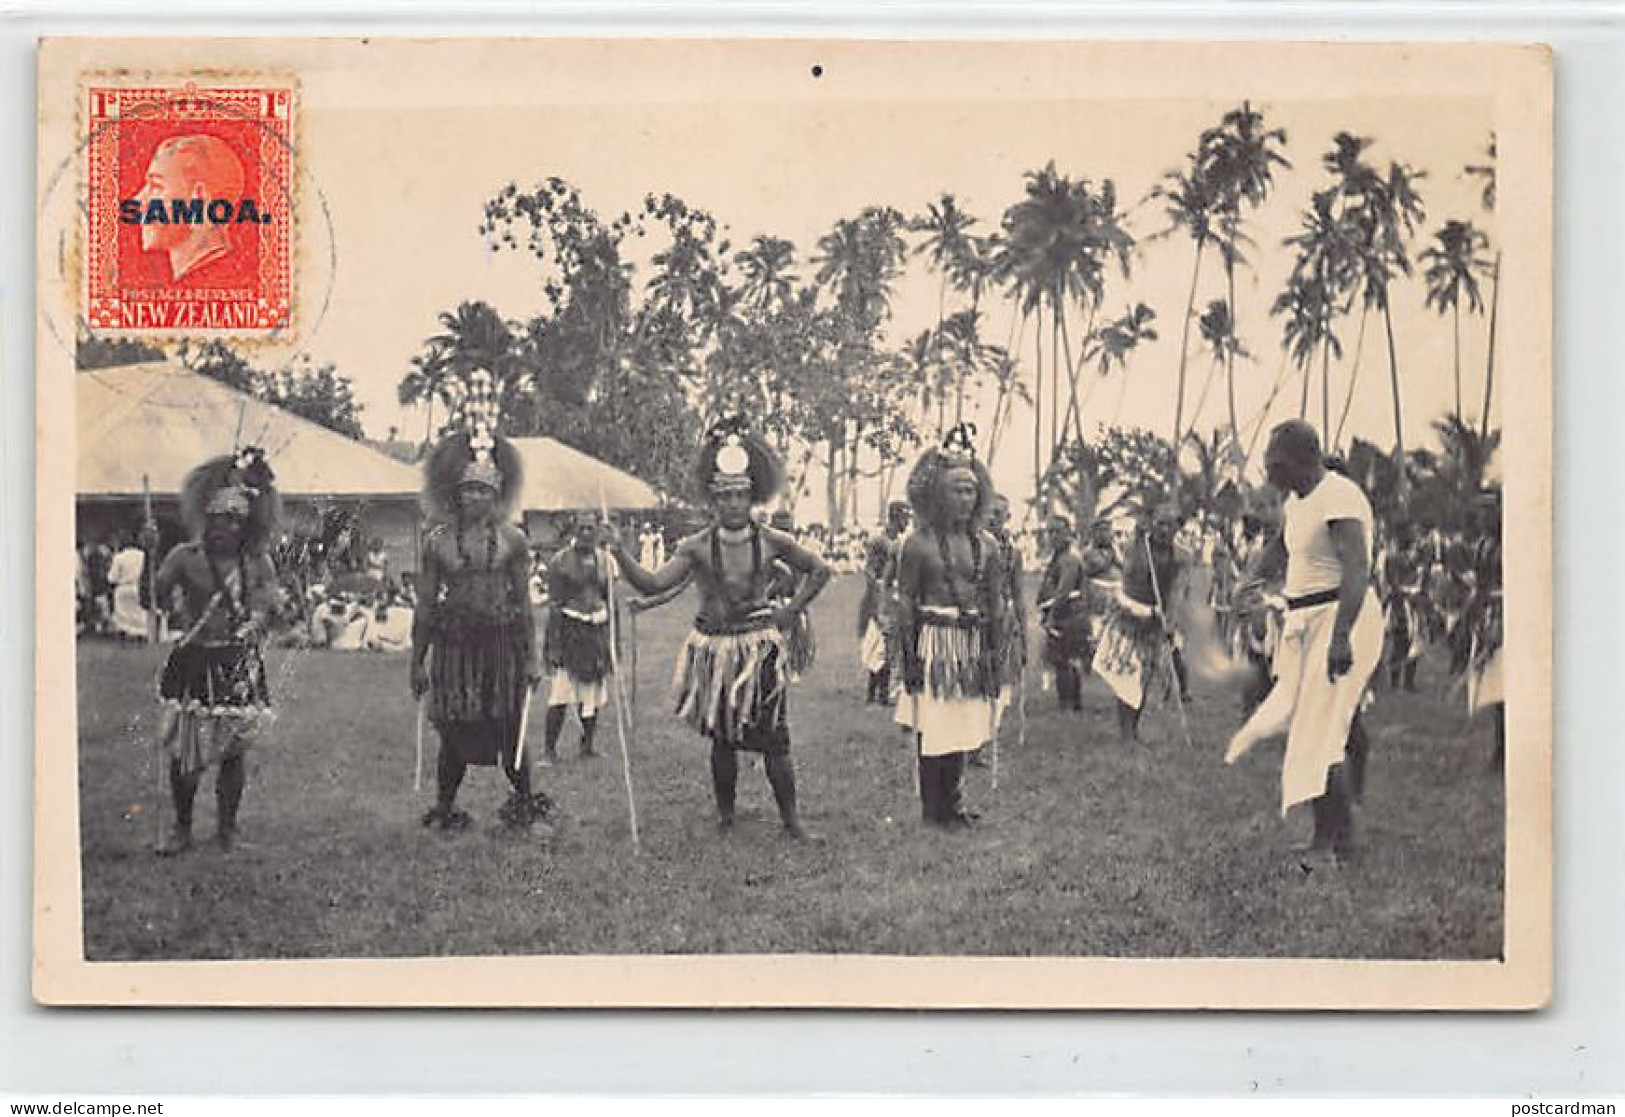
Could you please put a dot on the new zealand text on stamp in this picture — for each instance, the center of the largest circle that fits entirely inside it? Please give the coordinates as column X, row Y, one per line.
column 190, row 215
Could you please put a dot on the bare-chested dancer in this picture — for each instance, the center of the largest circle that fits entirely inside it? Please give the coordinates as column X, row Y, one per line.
column 734, row 671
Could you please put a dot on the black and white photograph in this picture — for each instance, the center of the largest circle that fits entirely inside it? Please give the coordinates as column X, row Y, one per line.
column 794, row 524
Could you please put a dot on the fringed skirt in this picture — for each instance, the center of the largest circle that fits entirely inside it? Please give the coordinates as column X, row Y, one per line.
column 732, row 685
column 477, row 688
column 583, row 645
column 215, row 701
column 958, row 708
column 580, row 662
column 801, row 647
column 1130, row 649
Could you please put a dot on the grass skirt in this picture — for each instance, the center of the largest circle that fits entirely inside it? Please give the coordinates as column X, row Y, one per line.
column 957, row 709
column 732, row 684
column 1130, row 650
column 477, row 687
column 215, row 700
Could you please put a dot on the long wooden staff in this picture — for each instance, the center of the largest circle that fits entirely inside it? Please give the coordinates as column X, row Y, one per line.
column 151, row 565
column 423, row 716
column 632, row 635
column 619, row 697
column 993, row 724
column 417, row 768
column 1162, row 639
column 524, row 727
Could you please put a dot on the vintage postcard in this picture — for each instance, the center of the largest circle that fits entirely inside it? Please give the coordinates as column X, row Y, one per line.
column 794, row 524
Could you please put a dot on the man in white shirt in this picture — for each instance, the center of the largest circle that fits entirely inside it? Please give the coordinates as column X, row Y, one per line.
column 1330, row 641
column 129, row 615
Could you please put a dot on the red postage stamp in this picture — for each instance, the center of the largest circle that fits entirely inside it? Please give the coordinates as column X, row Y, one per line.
column 190, row 210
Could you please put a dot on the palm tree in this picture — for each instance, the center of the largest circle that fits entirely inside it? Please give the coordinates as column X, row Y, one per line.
column 971, row 269
column 1323, row 276
column 1308, row 331
column 944, row 225
column 1383, row 212
column 1218, row 330
column 474, row 336
column 1057, row 243
column 1466, row 455
column 769, row 279
column 1111, row 345
column 1239, row 157
column 1452, row 265
column 1486, row 173
column 858, row 263
column 1189, row 204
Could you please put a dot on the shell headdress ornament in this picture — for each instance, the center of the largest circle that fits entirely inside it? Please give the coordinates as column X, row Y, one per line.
column 733, row 458
column 959, row 444
column 471, row 452
column 479, row 421
column 957, row 451
column 731, row 469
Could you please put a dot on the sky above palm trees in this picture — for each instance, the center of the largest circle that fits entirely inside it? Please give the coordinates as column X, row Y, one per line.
column 792, row 169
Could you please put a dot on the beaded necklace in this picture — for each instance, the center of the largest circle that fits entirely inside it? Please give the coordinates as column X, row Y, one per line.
column 490, row 548
column 729, row 597
column 948, row 567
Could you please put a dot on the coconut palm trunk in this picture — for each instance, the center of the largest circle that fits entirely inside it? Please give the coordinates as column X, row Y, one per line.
column 1230, row 356
column 1185, row 341
column 1455, row 329
column 1038, row 409
column 1264, row 413
column 1326, row 393
column 1489, row 359
column 1393, row 383
column 832, row 483
column 1354, row 376
column 1055, row 377
column 1074, row 410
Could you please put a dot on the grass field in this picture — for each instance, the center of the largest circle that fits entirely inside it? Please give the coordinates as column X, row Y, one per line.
column 1087, row 848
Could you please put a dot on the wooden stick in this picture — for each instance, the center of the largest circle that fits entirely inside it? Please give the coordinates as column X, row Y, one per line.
column 1162, row 640
column 417, row 768
column 524, row 726
column 619, row 697
column 994, row 719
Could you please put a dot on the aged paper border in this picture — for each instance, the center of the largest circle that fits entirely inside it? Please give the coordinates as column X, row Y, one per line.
column 1519, row 79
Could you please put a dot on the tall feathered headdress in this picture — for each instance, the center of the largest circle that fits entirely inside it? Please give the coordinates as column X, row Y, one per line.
column 732, row 457
column 473, row 453
column 237, row 484
column 958, row 451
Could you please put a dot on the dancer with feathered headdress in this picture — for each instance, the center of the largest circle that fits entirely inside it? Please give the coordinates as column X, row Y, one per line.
column 473, row 639
column 213, row 687
column 734, row 671
column 951, row 622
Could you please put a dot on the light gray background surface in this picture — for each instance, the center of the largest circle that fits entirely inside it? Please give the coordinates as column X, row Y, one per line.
column 1577, row 1048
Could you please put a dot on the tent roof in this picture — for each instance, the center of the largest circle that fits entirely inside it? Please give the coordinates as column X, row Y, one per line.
column 160, row 420
column 561, row 478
